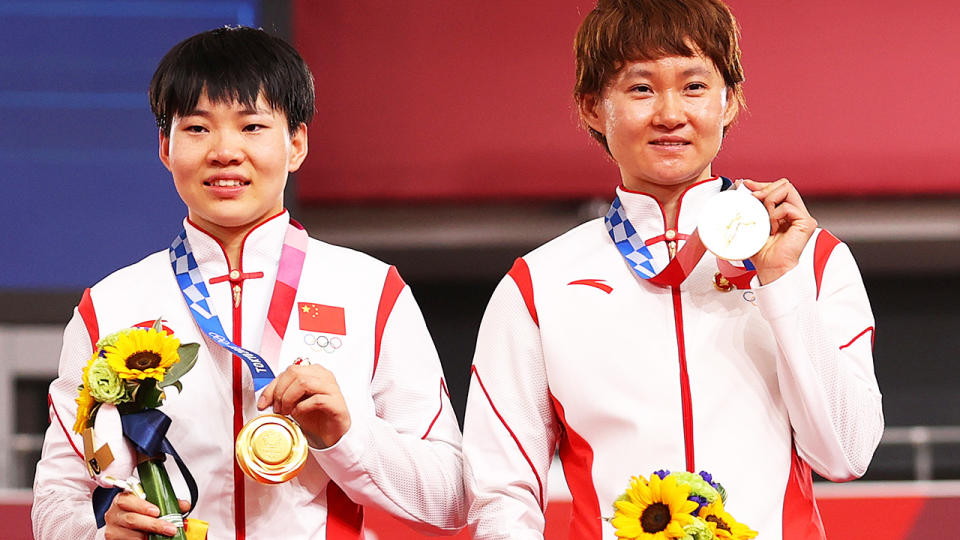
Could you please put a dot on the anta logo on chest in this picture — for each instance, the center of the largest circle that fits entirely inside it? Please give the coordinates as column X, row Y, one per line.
column 596, row 283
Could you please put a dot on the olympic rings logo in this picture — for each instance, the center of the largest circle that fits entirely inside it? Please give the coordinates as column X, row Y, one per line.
column 322, row 343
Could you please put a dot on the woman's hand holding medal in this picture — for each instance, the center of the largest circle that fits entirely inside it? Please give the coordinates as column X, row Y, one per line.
column 311, row 395
column 791, row 226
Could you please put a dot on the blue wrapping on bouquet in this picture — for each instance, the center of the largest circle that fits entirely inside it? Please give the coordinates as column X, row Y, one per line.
column 147, row 430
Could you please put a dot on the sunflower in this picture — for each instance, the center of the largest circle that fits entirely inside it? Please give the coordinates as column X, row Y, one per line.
column 141, row 353
column 84, row 399
column 655, row 511
column 723, row 524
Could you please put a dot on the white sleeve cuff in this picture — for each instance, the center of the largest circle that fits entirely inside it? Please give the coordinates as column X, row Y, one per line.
column 344, row 457
column 785, row 294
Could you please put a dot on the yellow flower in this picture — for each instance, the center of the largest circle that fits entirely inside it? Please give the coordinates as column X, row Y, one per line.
column 722, row 523
column 654, row 511
column 142, row 353
column 84, row 400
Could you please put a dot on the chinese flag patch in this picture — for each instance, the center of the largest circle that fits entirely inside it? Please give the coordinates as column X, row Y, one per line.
column 321, row 318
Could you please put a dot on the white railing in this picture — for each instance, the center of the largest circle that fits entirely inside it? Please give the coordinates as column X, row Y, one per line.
column 922, row 439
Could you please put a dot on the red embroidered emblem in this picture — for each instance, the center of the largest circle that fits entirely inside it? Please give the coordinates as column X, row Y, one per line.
column 722, row 284
column 149, row 324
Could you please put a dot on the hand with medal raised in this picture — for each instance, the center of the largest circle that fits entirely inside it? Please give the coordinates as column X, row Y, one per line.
column 307, row 408
column 791, row 227
column 311, row 395
column 272, row 448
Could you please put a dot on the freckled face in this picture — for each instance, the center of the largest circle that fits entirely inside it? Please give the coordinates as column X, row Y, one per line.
column 663, row 121
column 230, row 163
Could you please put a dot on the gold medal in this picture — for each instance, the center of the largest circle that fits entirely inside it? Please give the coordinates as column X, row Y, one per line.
column 271, row 449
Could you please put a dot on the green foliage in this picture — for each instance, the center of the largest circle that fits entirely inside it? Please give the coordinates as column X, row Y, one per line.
column 148, row 395
column 188, row 357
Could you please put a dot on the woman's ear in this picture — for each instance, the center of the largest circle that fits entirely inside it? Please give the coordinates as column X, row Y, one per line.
column 298, row 148
column 588, row 106
column 164, row 149
column 733, row 108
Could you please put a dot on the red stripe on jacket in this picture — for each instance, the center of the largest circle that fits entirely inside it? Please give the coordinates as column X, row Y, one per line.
column 801, row 517
column 443, row 391
column 577, row 458
column 344, row 517
column 520, row 273
column 821, row 254
column 686, row 395
column 239, row 489
column 63, row 427
column 89, row 316
column 860, row 335
column 392, row 287
column 516, row 440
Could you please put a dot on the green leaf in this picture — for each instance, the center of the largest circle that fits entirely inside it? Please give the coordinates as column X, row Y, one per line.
column 178, row 385
column 128, row 408
column 188, row 357
column 149, row 395
column 158, row 324
column 159, row 491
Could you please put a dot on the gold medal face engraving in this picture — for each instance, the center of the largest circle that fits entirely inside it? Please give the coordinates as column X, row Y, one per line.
column 271, row 449
column 271, row 444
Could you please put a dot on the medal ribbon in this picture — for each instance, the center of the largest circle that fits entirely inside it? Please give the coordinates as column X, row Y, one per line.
column 633, row 248
column 195, row 293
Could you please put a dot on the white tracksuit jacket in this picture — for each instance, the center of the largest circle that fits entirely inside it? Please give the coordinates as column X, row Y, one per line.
column 401, row 453
column 624, row 377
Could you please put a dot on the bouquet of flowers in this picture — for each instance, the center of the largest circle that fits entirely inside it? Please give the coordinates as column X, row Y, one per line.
column 680, row 505
column 123, row 384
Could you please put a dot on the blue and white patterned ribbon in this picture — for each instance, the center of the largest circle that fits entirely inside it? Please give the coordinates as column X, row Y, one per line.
column 628, row 242
column 195, row 293
column 634, row 248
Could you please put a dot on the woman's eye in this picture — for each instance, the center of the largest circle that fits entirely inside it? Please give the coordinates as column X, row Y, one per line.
column 642, row 88
column 696, row 87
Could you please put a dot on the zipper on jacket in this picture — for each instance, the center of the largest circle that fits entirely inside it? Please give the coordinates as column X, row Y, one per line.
column 686, row 400
column 239, row 502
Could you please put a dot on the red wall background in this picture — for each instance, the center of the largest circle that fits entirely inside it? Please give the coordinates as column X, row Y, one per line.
column 453, row 100
column 887, row 516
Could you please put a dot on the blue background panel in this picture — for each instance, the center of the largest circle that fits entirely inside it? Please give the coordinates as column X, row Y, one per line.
column 85, row 192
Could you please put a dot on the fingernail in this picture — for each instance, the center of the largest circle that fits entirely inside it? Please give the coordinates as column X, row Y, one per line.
column 154, row 511
column 170, row 531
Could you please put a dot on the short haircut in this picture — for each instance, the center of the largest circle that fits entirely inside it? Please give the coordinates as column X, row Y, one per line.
column 620, row 31
column 236, row 65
